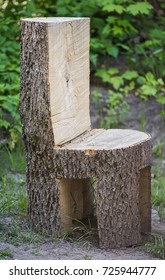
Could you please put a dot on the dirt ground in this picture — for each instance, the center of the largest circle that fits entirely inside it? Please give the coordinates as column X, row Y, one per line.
column 49, row 249
column 63, row 250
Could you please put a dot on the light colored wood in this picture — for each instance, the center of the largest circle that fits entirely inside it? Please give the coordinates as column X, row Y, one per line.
column 68, row 43
column 76, row 200
column 145, row 199
column 101, row 139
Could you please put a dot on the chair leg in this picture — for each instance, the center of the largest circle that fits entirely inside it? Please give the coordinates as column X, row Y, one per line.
column 118, row 214
column 145, row 199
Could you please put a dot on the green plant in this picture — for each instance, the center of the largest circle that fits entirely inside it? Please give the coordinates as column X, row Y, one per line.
column 149, row 86
column 116, row 109
column 13, row 197
column 158, row 149
column 9, row 79
column 143, row 122
column 18, row 233
column 157, row 247
column 82, row 231
column 158, row 191
column 6, row 254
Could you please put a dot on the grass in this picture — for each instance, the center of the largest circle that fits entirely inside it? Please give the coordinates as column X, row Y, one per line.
column 18, row 233
column 84, row 231
column 158, row 191
column 156, row 247
column 13, row 197
column 6, row 254
column 13, row 200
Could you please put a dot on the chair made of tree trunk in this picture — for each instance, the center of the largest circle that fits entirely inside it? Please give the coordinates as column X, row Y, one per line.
column 63, row 154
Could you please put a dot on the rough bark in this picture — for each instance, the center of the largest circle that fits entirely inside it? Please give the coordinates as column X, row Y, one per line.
column 119, row 188
column 43, row 192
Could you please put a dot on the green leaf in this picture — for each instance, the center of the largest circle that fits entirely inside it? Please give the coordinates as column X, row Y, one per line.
column 114, row 8
column 139, row 8
column 113, row 70
column 141, row 80
column 124, row 47
column 111, row 19
column 113, row 51
column 160, row 81
column 117, row 30
column 4, row 123
column 129, row 88
column 106, row 30
column 147, row 90
column 161, row 99
column 149, row 77
column 129, row 75
column 116, row 82
column 96, row 44
column 103, row 74
column 93, row 58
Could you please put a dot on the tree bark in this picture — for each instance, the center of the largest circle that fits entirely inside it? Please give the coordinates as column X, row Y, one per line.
column 120, row 187
column 43, row 191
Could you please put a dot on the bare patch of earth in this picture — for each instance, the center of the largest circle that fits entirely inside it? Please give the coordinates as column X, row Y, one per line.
column 61, row 249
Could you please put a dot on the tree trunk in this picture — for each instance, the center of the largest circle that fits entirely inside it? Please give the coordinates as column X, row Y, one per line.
column 43, row 191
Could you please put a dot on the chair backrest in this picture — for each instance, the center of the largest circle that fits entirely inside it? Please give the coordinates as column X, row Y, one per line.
column 68, row 48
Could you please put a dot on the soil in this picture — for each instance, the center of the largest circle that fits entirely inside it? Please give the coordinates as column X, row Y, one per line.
column 78, row 250
column 60, row 249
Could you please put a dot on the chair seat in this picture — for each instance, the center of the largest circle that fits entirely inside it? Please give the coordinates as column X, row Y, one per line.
column 101, row 139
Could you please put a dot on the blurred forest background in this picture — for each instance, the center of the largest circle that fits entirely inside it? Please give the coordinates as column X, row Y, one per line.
column 127, row 54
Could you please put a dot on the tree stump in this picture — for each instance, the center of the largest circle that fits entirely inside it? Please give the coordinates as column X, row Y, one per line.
column 63, row 154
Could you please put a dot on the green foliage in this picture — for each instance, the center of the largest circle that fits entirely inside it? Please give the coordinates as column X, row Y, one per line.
column 131, row 30
column 139, row 8
column 18, row 233
column 158, row 191
column 158, row 149
column 9, row 79
column 13, row 197
column 116, row 109
column 151, row 87
column 111, row 109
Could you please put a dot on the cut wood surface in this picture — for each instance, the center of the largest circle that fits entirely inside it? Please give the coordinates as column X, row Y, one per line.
column 68, row 44
column 99, row 139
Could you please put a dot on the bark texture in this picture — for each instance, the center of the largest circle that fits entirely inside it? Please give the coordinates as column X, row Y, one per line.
column 119, row 189
column 43, row 191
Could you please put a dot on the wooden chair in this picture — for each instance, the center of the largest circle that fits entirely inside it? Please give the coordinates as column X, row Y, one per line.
column 63, row 154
